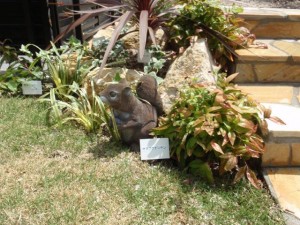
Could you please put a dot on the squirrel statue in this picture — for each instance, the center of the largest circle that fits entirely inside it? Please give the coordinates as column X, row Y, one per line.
column 134, row 117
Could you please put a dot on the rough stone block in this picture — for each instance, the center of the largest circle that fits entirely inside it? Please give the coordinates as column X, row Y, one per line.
column 283, row 94
column 249, row 24
column 277, row 72
column 273, row 29
column 276, row 155
column 246, row 73
column 295, row 154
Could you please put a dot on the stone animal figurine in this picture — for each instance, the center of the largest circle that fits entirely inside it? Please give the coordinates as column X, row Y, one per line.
column 134, row 117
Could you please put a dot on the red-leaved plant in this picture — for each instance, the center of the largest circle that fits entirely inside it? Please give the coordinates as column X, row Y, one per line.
column 216, row 130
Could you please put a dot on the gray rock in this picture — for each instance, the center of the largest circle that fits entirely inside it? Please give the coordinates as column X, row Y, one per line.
column 195, row 65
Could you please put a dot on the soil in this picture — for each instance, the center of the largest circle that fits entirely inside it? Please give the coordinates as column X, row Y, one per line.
column 288, row 4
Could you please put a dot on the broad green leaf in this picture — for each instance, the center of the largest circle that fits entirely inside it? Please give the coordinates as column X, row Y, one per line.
column 190, row 145
column 202, row 169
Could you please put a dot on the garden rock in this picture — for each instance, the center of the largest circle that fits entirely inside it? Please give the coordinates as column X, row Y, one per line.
column 105, row 33
column 195, row 65
column 131, row 40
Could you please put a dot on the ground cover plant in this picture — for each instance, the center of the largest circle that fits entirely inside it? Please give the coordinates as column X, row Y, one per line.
column 63, row 176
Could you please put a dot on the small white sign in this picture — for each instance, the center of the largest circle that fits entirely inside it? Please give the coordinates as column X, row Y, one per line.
column 146, row 58
column 32, row 87
column 156, row 148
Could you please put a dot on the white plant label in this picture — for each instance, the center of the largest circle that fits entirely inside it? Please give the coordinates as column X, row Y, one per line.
column 146, row 58
column 33, row 87
column 156, row 148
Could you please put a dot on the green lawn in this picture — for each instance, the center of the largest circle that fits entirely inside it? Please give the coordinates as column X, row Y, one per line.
column 63, row 176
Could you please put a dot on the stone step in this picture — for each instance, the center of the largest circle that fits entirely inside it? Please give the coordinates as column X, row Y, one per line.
column 272, row 23
column 283, row 142
column 283, row 145
column 278, row 62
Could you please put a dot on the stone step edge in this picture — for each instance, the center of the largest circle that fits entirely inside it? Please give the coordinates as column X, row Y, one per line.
column 277, row 50
column 290, row 115
column 252, row 13
column 281, row 154
column 286, row 93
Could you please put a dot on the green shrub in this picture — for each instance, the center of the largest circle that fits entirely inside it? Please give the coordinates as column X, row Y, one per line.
column 87, row 111
column 206, row 19
column 21, row 67
column 64, row 65
column 216, row 129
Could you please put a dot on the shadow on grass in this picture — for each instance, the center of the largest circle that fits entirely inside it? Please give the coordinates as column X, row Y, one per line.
column 105, row 147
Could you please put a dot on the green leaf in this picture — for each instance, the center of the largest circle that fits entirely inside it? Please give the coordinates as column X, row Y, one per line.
column 12, row 85
column 202, row 169
column 190, row 145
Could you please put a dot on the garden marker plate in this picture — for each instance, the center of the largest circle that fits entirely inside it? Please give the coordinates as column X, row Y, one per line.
column 156, row 148
column 33, row 87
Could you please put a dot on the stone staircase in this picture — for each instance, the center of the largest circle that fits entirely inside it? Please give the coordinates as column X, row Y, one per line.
column 272, row 76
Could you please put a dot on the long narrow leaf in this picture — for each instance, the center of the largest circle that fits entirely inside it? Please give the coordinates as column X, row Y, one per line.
column 143, row 32
column 96, row 11
column 71, row 27
column 105, row 2
column 123, row 20
column 152, row 35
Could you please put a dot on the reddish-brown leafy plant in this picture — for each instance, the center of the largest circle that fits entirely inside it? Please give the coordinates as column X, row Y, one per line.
column 216, row 129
